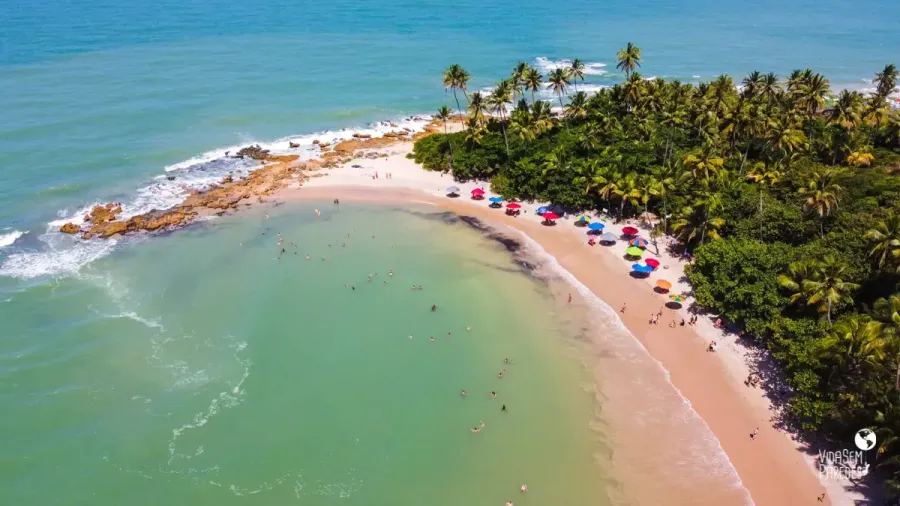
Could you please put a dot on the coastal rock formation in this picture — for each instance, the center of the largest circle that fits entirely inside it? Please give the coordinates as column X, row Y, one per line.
column 276, row 172
column 293, row 145
column 102, row 214
column 70, row 228
column 254, row 151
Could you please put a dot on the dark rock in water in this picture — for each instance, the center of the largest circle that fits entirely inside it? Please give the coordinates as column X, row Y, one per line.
column 255, row 152
column 293, row 145
column 170, row 178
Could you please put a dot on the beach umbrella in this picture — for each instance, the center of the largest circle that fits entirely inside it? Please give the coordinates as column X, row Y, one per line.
column 634, row 251
column 583, row 218
column 496, row 200
column 596, row 226
column 652, row 262
column 678, row 299
column 477, row 191
column 640, row 242
column 607, row 237
column 640, row 268
column 665, row 285
column 630, row 231
column 542, row 210
column 513, row 205
column 551, row 216
column 452, row 189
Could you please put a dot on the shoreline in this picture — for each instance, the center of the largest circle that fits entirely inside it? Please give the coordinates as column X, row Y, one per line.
column 773, row 468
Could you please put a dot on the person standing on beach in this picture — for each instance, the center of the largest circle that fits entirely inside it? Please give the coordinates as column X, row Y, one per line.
column 570, row 298
column 623, row 308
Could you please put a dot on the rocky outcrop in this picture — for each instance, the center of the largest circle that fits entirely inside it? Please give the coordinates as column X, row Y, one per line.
column 361, row 136
column 70, row 228
column 227, row 179
column 103, row 213
column 254, row 151
column 154, row 220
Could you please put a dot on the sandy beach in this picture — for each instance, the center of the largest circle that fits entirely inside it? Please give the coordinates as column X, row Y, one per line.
column 773, row 467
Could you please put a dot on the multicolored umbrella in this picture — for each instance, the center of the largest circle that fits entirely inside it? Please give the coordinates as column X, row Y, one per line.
column 513, row 205
column 634, row 251
column 551, row 216
column 640, row 242
column 477, row 191
column 496, row 200
column 630, row 231
column 597, row 226
column 583, row 218
column 665, row 285
column 652, row 262
column 678, row 299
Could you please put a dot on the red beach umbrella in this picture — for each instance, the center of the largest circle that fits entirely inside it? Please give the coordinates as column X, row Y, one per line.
column 477, row 191
column 652, row 262
column 630, row 231
column 550, row 216
column 513, row 205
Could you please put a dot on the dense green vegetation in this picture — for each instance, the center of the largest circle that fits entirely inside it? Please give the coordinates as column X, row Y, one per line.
column 788, row 198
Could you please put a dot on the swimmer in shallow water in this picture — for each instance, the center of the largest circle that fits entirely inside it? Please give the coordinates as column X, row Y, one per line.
column 468, row 328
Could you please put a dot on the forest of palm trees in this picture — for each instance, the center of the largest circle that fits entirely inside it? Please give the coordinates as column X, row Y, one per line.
column 788, row 198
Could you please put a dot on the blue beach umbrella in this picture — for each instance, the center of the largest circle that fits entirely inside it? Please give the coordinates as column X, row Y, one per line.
column 541, row 210
column 496, row 200
column 641, row 268
column 596, row 226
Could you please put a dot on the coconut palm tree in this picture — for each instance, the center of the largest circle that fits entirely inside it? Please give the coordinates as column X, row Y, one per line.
column 576, row 72
column 577, row 106
column 814, row 93
column 474, row 130
column 820, row 282
column 887, row 311
column 886, row 81
column 785, row 139
column 821, row 195
column 443, row 115
column 885, row 237
column 752, row 85
column 700, row 218
column 629, row 59
column 477, row 107
column 855, row 345
column 532, row 80
column 456, row 78
column 665, row 178
column 541, row 116
column 498, row 100
column 703, row 163
column 763, row 176
column 559, row 82
column 518, row 77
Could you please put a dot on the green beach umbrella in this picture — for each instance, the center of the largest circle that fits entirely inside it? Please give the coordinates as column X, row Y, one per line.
column 634, row 251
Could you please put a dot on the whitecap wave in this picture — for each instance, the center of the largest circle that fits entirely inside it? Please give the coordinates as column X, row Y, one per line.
column 590, row 68
column 11, row 237
column 64, row 255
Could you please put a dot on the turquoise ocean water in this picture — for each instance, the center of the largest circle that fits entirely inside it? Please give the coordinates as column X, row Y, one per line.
column 192, row 369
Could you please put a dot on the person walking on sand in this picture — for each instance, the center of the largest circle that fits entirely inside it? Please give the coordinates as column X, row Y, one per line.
column 623, row 308
column 570, row 298
column 754, row 433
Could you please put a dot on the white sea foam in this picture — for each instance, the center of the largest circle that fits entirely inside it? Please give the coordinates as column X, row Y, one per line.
column 590, row 68
column 65, row 255
column 9, row 238
column 718, row 463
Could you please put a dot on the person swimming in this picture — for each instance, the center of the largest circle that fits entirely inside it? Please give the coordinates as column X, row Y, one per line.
column 468, row 328
column 462, row 392
column 503, row 408
column 502, row 372
column 431, row 339
column 493, row 395
column 433, row 308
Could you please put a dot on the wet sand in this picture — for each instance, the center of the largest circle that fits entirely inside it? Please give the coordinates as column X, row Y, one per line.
column 770, row 467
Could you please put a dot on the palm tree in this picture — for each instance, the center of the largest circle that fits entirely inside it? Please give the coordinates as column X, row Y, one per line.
column 576, row 72
column 854, row 344
column 821, row 195
column 444, row 114
column 477, row 107
column 784, row 138
column 456, row 78
column 473, row 130
column 703, row 163
column 497, row 101
column 541, row 116
column 763, row 176
column 628, row 59
column 887, row 311
column 699, row 219
column 532, row 80
column 518, row 77
column 885, row 236
column 847, row 110
column 814, row 93
column 752, row 85
column 559, row 81
column 886, row 80
column 820, row 282
column 664, row 176
column 577, row 106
